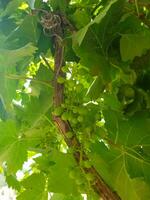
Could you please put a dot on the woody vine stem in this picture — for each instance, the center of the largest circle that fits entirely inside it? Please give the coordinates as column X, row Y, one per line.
column 54, row 24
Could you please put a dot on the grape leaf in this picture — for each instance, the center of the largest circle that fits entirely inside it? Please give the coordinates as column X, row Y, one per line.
column 111, row 45
column 120, row 173
column 26, row 32
column 132, row 45
column 12, row 182
column 11, row 7
column 95, row 43
column 134, row 136
column 96, row 88
column 59, row 174
column 56, row 4
column 15, row 55
column 78, row 38
column 35, row 188
column 31, row 3
column 8, row 83
column 12, row 148
column 115, row 171
column 142, row 189
column 38, row 105
column 66, row 197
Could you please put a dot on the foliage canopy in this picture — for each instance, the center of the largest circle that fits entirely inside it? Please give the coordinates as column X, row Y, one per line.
column 96, row 54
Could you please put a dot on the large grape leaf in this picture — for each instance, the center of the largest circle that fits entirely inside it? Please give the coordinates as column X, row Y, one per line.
column 126, row 187
column 59, row 178
column 56, row 4
column 25, row 33
column 132, row 45
column 58, row 167
column 104, row 15
column 8, row 61
column 125, row 155
column 111, row 164
column 11, row 7
column 12, row 147
column 12, row 182
column 40, row 101
column 133, row 137
column 93, row 48
column 142, row 189
column 8, row 58
column 35, row 188
column 66, row 197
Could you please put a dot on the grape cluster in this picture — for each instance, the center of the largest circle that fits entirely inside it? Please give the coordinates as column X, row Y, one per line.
column 77, row 108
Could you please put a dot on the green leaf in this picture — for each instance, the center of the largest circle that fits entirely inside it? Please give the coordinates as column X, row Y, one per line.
column 92, row 42
column 12, row 148
column 142, row 189
column 111, row 101
column 26, row 32
column 78, row 15
column 133, row 135
column 132, row 45
column 111, row 164
column 96, row 88
column 35, row 186
column 11, row 7
column 66, row 197
column 37, row 106
column 59, row 174
column 98, row 19
column 8, row 81
column 122, row 187
column 31, row 3
column 56, row 4
column 79, row 36
column 15, row 55
column 13, row 182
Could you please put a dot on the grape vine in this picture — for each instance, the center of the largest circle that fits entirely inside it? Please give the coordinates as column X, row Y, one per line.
column 75, row 99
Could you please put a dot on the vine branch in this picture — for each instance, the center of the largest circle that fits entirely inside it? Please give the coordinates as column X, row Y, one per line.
column 99, row 186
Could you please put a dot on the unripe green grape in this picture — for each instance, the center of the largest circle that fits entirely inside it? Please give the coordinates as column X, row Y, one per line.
column 75, row 110
column 79, row 88
column 65, row 69
column 58, row 111
column 88, row 129
column 82, row 111
column 71, row 83
column 61, row 80
column 69, row 134
column 64, row 116
column 67, row 101
column 90, row 177
column 80, row 118
column 82, row 188
column 70, row 117
column 72, row 174
column 63, row 105
column 79, row 181
column 74, row 121
column 86, row 164
column 129, row 92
